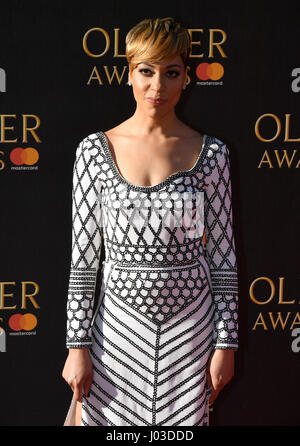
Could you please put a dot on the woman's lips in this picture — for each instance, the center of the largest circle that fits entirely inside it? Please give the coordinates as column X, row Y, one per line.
column 156, row 101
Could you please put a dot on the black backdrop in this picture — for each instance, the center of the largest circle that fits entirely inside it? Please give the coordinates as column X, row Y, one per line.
column 46, row 73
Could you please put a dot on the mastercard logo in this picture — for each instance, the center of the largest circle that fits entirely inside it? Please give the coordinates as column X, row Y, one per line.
column 213, row 71
column 19, row 322
column 28, row 156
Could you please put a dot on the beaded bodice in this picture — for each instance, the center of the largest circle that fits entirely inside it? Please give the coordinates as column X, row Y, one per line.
column 183, row 221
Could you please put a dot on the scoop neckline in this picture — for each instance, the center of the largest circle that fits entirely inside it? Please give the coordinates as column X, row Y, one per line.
column 105, row 145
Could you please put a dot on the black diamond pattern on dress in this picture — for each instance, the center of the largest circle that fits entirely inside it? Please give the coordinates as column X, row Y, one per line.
column 169, row 291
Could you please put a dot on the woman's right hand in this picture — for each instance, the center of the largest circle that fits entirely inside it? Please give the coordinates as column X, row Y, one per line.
column 78, row 372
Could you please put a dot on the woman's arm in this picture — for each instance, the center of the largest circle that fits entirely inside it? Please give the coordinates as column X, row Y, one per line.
column 221, row 258
column 85, row 258
column 86, row 247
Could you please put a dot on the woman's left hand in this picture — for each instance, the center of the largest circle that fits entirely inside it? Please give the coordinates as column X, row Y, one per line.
column 220, row 371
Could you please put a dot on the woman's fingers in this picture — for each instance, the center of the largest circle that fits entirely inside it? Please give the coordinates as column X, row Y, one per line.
column 220, row 371
column 209, row 386
column 213, row 396
column 87, row 385
column 89, row 382
column 208, row 378
column 79, row 387
column 214, row 392
column 78, row 372
column 77, row 390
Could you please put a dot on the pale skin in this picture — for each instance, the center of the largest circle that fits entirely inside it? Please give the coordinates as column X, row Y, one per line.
column 148, row 147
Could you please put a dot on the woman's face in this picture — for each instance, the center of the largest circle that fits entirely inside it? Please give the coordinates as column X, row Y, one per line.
column 157, row 86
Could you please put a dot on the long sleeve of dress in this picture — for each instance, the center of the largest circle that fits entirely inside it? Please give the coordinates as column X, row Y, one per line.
column 86, row 247
column 220, row 247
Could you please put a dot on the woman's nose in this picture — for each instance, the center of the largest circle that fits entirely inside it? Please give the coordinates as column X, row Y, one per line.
column 157, row 83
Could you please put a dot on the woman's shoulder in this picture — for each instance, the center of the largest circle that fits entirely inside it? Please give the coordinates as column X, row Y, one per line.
column 208, row 138
column 216, row 151
column 121, row 129
column 91, row 146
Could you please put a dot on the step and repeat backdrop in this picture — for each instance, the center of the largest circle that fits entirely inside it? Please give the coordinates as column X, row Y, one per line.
column 63, row 75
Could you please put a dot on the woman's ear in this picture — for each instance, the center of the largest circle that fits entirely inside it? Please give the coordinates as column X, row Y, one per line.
column 185, row 81
column 186, row 78
column 129, row 77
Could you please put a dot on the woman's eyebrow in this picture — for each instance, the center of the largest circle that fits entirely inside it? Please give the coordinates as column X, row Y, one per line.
column 168, row 66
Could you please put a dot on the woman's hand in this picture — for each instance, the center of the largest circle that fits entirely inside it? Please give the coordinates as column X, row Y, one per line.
column 220, row 371
column 78, row 372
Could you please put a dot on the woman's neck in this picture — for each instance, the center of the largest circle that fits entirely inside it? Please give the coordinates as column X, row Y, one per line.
column 158, row 125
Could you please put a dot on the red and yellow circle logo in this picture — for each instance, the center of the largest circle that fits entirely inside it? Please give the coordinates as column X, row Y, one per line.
column 20, row 156
column 213, row 71
column 25, row 322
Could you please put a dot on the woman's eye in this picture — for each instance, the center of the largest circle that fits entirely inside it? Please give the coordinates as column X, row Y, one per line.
column 173, row 73
column 170, row 73
column 142, row 70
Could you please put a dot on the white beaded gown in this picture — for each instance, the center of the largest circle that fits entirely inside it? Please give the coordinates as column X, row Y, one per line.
column 168, row 285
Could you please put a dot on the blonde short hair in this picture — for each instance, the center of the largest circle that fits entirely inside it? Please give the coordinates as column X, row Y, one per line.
column 157, row 39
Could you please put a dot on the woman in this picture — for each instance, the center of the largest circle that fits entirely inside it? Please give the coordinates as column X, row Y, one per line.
column 160, row 345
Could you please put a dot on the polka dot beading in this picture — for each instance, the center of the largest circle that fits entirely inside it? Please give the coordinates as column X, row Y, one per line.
column 158, row 294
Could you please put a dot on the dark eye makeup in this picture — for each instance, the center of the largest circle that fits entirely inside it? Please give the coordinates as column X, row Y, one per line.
column 148, row 72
